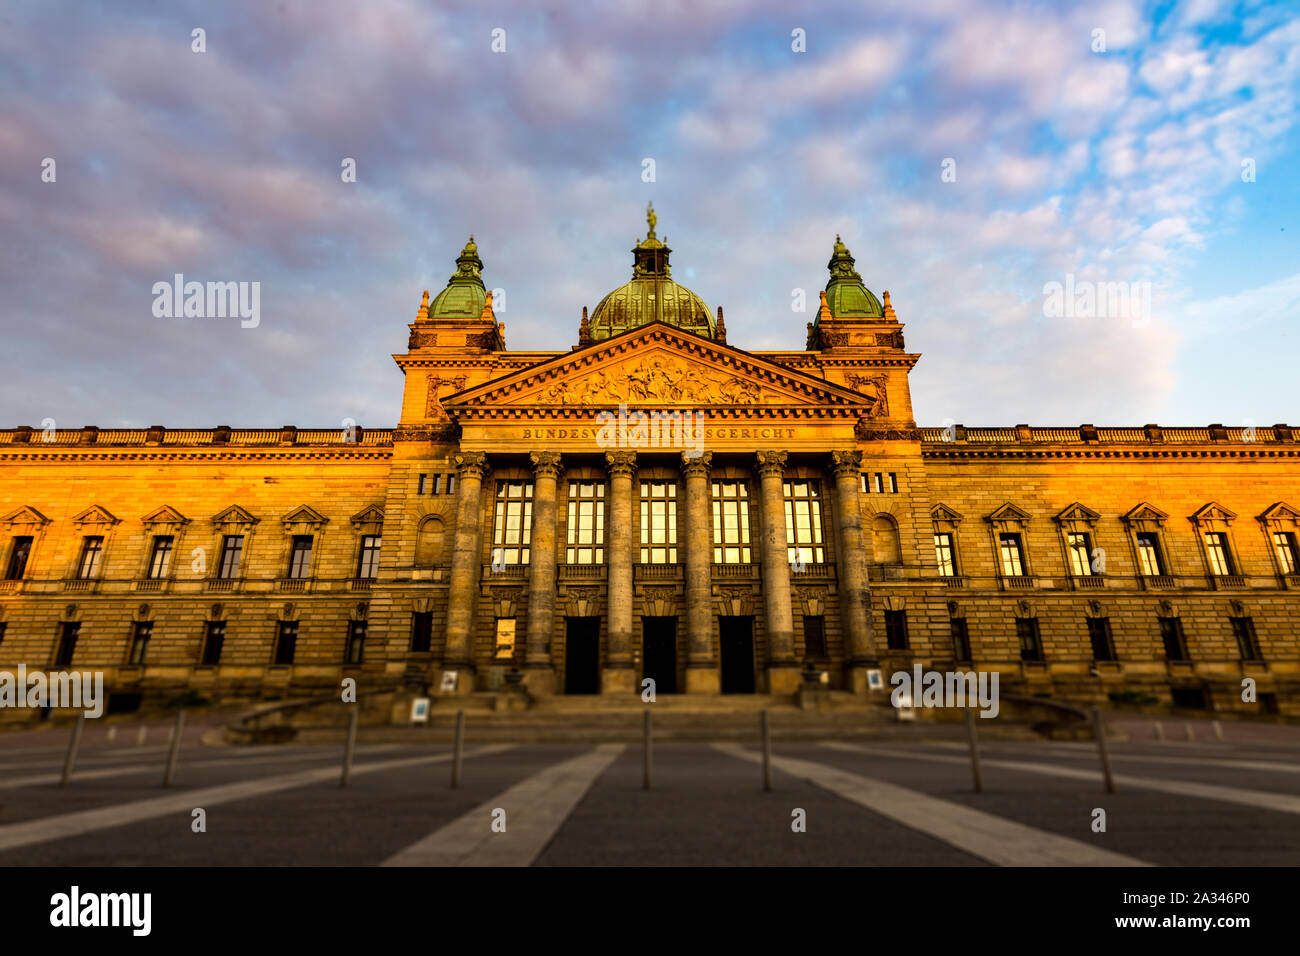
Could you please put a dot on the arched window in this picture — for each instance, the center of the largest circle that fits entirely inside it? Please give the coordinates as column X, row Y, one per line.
column 884, row 540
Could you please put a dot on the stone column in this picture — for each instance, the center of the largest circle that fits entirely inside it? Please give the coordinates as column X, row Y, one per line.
column 466, row 559
column 782, row 670
column 618, row 676
column 702, row 674
column 539, row 670
column 854, row 599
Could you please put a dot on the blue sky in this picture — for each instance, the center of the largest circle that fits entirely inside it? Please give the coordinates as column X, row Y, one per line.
column 1122, row 164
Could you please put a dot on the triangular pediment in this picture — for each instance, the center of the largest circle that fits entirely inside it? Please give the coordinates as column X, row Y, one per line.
column 234, row 515
column 1213, row 512
column 1145, row 511
column 26, row 515
column 942, row 512
column 95, row 514
column 1280, row 511
column 370, row 515
column 1078, row 512
column 656, row 366
column 304, row 514
column 164, row 515
column 1009, row 512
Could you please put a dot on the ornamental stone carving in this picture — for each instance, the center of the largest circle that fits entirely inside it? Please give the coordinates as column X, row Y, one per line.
column 547, row 464
column 656, row 380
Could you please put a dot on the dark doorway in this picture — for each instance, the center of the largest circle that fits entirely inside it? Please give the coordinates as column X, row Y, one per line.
column 736, row 639
column 659, row 652
column 582, row 655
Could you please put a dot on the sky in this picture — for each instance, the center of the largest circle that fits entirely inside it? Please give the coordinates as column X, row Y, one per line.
column 970, row 152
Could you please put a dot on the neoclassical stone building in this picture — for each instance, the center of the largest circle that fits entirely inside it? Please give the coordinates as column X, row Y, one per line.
column 655, row 502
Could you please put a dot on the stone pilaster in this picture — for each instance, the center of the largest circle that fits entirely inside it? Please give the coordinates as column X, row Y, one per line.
column 540, row 671
column 854, row 598
column 466, row 557
column 702, row 673
column 782, row 669
column 618, row 676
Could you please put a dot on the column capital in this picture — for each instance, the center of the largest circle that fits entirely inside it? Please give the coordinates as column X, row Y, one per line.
column 772, row 463
column 472, row 464
column 697, row 465
column 620, row 463
column 846, row 463
column 547, row 464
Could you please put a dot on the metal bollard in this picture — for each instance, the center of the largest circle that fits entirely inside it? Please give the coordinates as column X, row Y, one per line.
column 74, row 744
column 175, row 750
column 349, row 746
column 767, row 751
column 459, row 751
column 1099, row 731
column 647, row 750
column 974, row 751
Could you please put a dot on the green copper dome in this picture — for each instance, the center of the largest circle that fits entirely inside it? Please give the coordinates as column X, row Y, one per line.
column 465, row 294
column 651, row 296
column 846, row 294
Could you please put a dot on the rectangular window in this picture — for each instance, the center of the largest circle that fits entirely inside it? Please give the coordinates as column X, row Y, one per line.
column 356, row 645
column 814, row 635
column 232, row 552
column 368, row 562
column 960, row 639
column 658, row 522
column 1288, row 558
column 22, row 549
column 862, row 481
column 300, row 556
column 69, row 631
column 877, row 483
column 1150, row 561
column 944, row 554
column 286, row 642
column 1079, row 545
column 1031, row 645
column 730, row 522
column 1243, row 629
column 449, row 486
column 140, row 638
column 421, row 632
column 1216, row 550
column 423, row 484
column 512, row 523
column 803, row 521
column 896, row 630
column 213, row 643
column 893, row 483
column 586, row 534
column 1103, row 648
column 160, row 559
column 92, row 551
column 1171, row 633
column 435, row 484
column 1013, row 563
column 3, row 625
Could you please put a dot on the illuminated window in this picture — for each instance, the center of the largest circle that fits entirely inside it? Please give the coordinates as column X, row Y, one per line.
column 92, row 551
column 1079, row 545
column 232, row 551
column 1287, row 556
column 944, row 554
column 300, row 556
column 160, row 560
column 368, row 563
column 586, row 543
column 730, row 522
column 803, row 521
column 1216, row 551
column 512, row 523
column 1150, row 560
column 1013, row 557
column 658, row 522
